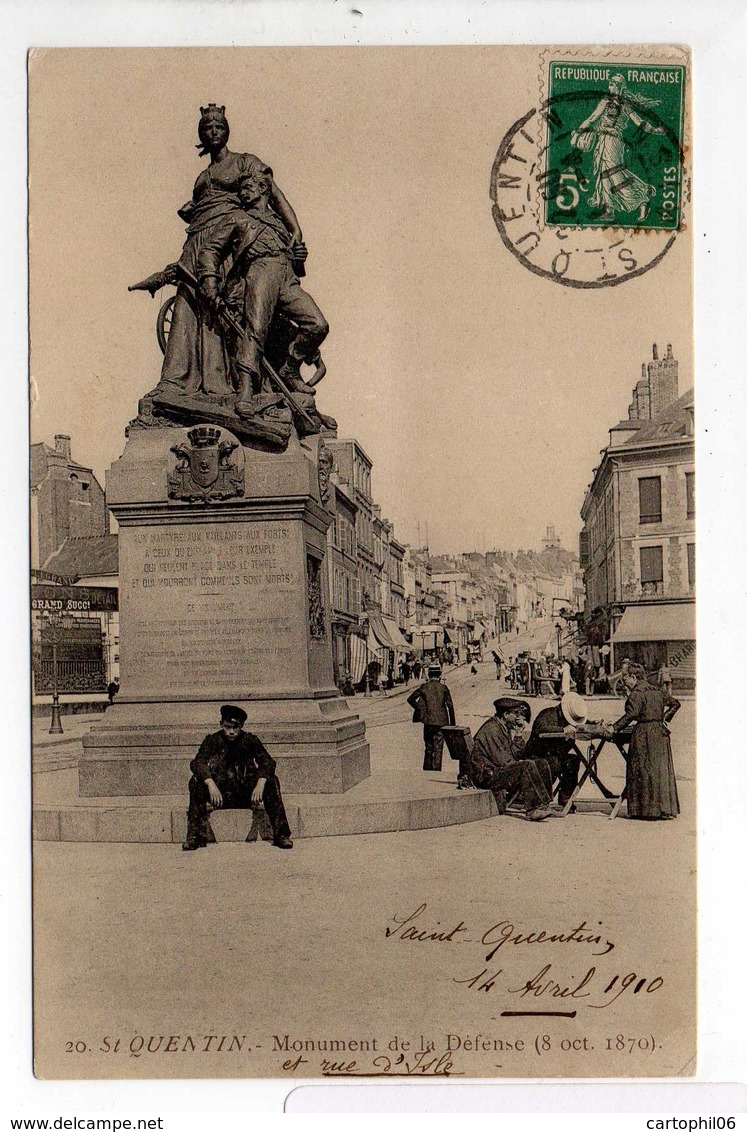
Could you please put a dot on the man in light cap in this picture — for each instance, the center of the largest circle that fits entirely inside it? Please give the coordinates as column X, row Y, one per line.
column 494, row 765
column 434, row 708
column 552, row 738
column 233, row 770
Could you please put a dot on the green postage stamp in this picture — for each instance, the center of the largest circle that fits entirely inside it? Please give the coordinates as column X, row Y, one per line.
column 614, row 146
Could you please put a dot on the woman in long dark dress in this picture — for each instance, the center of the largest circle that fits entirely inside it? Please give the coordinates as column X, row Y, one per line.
column 650, row 782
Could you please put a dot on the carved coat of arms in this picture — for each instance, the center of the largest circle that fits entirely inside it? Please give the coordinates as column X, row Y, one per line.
column 204, row 472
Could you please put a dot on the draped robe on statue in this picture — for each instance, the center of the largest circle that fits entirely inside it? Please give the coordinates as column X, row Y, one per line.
column 196, row 360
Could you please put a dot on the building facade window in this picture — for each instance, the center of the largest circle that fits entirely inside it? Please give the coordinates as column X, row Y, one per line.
column 691, row 565
column 649, row 499
column 690, row 494
column 652, row 570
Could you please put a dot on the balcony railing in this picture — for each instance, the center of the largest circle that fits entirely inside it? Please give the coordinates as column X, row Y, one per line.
column 643, row 590
column 72, row 676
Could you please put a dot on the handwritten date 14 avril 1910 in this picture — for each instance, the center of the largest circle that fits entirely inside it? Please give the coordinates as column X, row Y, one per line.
column 602, row 987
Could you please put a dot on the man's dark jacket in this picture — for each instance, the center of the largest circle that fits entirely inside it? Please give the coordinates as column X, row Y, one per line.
column 243, row 759
column 434, row 701
column 550, row 721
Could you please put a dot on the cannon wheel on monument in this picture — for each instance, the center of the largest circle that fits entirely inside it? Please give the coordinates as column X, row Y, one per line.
column 282, row 330
column 163, row 322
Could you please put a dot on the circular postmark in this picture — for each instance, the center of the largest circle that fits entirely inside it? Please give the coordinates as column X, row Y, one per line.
column 587, row 188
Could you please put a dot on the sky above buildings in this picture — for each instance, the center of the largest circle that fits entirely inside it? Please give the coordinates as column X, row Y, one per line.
column 483, row 393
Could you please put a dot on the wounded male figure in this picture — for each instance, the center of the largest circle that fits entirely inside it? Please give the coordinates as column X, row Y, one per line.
column 263, row 252
column 233, row 770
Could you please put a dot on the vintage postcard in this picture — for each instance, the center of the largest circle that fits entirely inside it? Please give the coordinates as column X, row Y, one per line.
column 363, row 562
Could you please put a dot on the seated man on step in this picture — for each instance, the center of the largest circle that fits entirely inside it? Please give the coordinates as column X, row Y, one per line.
column 232, row 770
column 493, row 764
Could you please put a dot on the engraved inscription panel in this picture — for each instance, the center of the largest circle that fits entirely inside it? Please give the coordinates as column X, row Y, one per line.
column 208, row 608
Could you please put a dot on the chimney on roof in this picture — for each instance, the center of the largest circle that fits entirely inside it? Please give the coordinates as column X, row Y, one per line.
column 658, row 387
column 641, row 402
column 62, row 446
column 663, row 382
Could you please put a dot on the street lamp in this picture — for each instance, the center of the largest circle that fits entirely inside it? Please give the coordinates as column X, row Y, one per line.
column 559, row 631
column 57, row 624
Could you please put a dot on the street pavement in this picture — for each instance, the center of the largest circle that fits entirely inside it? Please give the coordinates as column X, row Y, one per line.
column 146, row 942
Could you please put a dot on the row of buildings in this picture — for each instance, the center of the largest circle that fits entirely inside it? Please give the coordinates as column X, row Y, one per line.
column 633, row 593
column 75, row 581
column 388, row 601
column 637, row 545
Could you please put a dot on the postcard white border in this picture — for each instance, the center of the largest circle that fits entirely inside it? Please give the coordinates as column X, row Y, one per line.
column 715, row 31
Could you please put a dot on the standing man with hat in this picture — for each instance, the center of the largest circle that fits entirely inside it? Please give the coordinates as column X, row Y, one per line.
column 494, row 764
column 233, row 770
column 552, row 738
column 434, row 708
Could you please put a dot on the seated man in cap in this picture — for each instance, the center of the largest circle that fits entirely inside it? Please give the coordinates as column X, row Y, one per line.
column 434, row 708
column 494, row 764
column 232, row 770
column 552, row 738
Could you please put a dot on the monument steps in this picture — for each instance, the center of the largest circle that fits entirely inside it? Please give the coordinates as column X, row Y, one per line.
column 380, row 804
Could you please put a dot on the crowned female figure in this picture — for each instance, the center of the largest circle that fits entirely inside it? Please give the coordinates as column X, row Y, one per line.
column 196, row 358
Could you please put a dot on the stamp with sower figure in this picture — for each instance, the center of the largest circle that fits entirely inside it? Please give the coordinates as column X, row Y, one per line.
column 589, row 187
column 614, row 143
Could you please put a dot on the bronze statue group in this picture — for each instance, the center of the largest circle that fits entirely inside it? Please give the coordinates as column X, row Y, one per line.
column 241, row 325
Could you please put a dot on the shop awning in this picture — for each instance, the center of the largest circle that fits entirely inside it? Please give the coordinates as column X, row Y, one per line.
column 394, row 634
column 378, row 630
column 358, row 658
column 656, row 623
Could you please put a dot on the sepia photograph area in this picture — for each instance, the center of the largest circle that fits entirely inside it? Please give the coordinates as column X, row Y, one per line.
column 362, row 562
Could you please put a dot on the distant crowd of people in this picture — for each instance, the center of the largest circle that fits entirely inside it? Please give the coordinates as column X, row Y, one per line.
column 549, row 675
column 411, row 667
column 546, row 675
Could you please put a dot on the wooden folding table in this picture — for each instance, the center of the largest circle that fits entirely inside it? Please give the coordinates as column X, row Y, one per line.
column 618, row 739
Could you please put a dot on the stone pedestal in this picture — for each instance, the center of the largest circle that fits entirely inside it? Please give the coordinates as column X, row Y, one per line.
column 223, row 596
